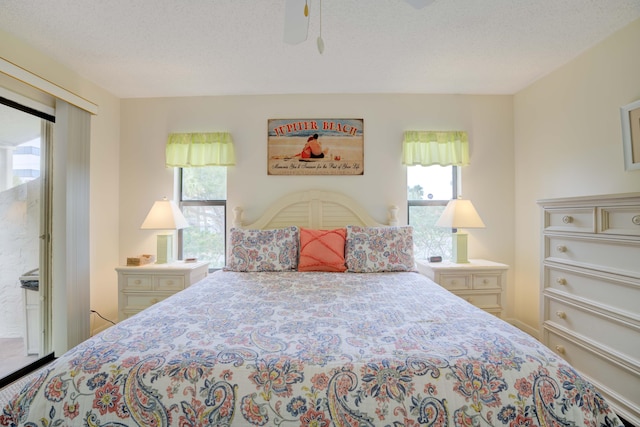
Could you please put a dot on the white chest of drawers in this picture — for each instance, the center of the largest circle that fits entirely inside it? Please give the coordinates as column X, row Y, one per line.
column 590, row 307
column 141, row 287
column 479, row 281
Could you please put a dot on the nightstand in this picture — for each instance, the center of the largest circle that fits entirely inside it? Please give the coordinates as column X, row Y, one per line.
column 141, row 287
column 479, row 281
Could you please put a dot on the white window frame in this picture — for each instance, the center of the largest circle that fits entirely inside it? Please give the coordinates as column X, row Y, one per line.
column 183, row 203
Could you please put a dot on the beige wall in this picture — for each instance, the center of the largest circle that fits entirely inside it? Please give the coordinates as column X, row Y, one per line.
column 105, row 147
column 559, row 137
column 488, row 181
column 568, row 142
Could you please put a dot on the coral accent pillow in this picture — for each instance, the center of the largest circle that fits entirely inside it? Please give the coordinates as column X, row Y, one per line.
column 322, row 250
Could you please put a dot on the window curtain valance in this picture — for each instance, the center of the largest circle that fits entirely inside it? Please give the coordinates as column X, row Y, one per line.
column 442, row 148
column 200, row 149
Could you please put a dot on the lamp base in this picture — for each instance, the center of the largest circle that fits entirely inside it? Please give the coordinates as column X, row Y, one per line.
column 459, row 255
column 165, row 249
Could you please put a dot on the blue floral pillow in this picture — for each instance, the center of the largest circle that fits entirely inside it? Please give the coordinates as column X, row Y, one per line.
column 263, row 250
column 378, row 249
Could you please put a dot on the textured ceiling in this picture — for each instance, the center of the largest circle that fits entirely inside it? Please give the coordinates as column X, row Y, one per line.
column 154, row 48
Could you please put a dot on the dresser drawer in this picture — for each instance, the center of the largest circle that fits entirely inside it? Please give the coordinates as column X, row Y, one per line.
column 486, row 281
column 137, row 282
column 168, row 283
column 577, row 220
column 613, row 256
column 619, row 220
column 620, row 295
column 455, row 282
column 625, row 338
column 599, row 369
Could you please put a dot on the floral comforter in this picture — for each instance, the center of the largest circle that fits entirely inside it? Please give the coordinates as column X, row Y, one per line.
column 310, row 349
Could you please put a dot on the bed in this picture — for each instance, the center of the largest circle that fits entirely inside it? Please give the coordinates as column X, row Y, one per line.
column 279, row 340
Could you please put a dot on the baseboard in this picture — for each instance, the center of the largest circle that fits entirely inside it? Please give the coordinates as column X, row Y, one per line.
column 524, row 327
column 100, row 329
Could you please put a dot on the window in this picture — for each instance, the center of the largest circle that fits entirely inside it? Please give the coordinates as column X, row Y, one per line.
column 203, row 200
column 429, row 189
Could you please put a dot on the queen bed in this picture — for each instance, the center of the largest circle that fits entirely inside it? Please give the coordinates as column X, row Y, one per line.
column 290, row 333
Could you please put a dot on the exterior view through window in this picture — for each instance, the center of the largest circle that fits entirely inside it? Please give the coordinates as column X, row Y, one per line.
column 429, row 189
column 203, row 203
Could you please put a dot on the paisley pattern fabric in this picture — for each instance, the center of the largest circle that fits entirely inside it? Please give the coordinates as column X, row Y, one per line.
column 379, row 249
column 263, row 250
column 310, row 349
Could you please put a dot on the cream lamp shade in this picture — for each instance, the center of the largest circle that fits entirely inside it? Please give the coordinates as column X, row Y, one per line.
column 460, row 214
column 164, row 215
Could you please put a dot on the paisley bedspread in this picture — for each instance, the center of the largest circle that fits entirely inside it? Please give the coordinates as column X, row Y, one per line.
column 310, row 349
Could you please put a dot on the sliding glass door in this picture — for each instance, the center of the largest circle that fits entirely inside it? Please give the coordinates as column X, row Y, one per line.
column 24, row 219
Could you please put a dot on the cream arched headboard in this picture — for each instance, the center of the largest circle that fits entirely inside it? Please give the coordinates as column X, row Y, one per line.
column 315, row 209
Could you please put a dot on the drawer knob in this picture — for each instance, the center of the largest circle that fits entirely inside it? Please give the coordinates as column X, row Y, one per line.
column 137, row 281
column 169, row 282
column 453, row 282
column 485, row 282
column 561, row 314
column 567, row 219
column 561, row 248
column 636, row 220
column 561, row 281
column 469, row 299
column 154, row 301
column 560, row 349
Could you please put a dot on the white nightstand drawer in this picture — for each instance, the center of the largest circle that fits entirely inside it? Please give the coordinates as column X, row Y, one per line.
column 485, row 301
column 455, row 282
column 142, row 300
column 479, row 281
column 486, row 281
column 141, row 287
column 137, row 282
column 168, row 283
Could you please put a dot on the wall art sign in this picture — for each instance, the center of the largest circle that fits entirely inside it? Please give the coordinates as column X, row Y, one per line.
column 630, row 118
column 315, row 147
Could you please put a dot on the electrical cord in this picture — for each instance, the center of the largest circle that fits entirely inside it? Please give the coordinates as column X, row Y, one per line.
column 102, row 317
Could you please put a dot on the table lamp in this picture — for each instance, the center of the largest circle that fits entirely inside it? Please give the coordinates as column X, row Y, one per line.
column 460, row 214
column 164, row 215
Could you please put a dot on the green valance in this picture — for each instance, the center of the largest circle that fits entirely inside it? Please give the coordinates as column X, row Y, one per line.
column 200, row 149
column 442, row 148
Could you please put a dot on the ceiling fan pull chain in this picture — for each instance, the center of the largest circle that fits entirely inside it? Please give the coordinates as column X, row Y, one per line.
column 306, row 8
column 320, row 42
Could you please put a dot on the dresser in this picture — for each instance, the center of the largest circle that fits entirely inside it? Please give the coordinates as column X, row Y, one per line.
column 479, row 281
column 141, row 287
column 590, row 292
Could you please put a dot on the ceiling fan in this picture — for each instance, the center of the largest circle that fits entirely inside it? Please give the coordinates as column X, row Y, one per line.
column 296, row 20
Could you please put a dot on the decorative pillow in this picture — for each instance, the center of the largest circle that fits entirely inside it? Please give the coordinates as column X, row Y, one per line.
column 263, row 250
column 322, row 250
column 377, row 249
